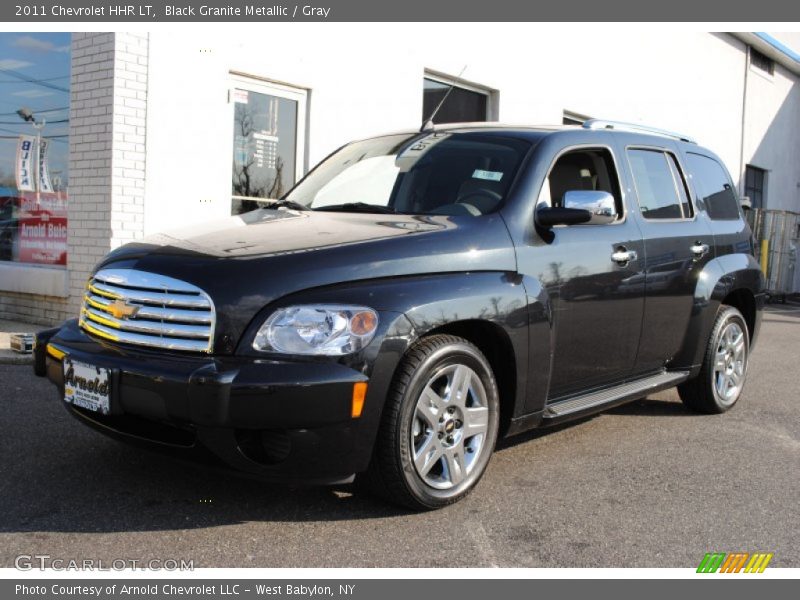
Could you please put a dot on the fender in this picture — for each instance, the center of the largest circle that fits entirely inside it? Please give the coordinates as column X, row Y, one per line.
column 414, row 306
column 719, row 277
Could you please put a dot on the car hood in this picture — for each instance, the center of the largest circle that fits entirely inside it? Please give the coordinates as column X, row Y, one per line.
column 245, row 263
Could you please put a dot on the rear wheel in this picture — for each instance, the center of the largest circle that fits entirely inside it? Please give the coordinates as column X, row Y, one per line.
column 722, row 377
column 439, row 426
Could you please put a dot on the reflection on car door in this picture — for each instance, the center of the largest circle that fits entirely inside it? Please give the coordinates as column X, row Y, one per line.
column 678, row 243
column 596, row 318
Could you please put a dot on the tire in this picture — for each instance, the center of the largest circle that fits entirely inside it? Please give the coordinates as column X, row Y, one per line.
column 434, row 444
column 722, row 376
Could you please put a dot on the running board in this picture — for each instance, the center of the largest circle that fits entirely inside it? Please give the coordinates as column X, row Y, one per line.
column 623, row 392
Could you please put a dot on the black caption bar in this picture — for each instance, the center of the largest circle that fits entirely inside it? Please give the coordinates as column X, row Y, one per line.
column 401, row 10
column 390, row 589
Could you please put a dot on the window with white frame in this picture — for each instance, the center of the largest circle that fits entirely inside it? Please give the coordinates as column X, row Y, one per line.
column 268, row 140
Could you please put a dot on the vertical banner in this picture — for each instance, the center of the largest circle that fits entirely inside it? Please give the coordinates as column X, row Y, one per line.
column 44, row 173
column 25, row 163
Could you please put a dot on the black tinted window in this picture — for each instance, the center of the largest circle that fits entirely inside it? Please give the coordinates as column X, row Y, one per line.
column 660, row 195
column 714, row 185
column 755, row 185
column 460, row 106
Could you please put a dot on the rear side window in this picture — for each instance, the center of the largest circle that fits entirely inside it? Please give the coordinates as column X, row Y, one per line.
column 660, row 187
column 714, row 186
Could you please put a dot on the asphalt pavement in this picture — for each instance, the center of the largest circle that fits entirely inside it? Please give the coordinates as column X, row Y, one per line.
column 648, row 484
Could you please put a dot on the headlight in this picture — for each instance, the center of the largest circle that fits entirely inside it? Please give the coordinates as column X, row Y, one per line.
column 318, row 329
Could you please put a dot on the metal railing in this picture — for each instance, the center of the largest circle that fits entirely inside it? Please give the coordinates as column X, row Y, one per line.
column 777, row 232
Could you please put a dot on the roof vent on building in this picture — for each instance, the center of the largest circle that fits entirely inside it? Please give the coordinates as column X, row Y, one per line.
column 762, row 62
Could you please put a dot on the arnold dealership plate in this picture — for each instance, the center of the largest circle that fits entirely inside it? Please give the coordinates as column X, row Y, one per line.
column 87, row 386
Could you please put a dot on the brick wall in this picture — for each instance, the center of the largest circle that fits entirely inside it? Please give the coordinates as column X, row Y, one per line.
column 40, row 310
column 107, row 149
column 128, row 138
column 90, row 146
column 108, row 109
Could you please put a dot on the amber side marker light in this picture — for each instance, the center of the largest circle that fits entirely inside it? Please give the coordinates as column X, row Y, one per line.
column 55, row 352
column 359, row 393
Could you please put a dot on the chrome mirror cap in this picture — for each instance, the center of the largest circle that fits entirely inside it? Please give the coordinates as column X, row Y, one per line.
column 600, row 204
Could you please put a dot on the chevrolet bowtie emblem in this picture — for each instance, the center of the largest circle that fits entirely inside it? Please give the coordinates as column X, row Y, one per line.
column 122, row 310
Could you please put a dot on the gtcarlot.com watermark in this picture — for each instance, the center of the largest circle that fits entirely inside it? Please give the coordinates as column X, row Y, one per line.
column 42, row 562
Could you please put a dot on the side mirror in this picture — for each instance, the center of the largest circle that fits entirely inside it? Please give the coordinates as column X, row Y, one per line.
column 550, row 216
column 600, row 204
column 746, row 203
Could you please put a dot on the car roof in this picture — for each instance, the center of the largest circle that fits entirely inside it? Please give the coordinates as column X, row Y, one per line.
column 537, row 132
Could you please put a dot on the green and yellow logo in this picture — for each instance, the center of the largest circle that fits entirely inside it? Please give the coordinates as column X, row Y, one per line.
column 735, row 562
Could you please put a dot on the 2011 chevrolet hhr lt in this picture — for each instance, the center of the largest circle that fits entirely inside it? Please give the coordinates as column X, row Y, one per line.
column 418, row 295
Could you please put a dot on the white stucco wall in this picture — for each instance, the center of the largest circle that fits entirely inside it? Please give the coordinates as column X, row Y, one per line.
column 367, row 78
column 772, row 134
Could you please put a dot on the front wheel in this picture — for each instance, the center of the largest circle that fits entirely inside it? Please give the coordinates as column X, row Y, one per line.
column 722, row 376
column 439, row 425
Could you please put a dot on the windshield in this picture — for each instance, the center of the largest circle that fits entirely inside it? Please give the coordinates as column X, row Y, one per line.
column 437, row 173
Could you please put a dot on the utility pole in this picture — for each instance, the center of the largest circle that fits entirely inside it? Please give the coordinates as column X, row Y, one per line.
column 39, row 125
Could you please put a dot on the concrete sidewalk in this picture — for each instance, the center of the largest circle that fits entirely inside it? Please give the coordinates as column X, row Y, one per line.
column 8, row 356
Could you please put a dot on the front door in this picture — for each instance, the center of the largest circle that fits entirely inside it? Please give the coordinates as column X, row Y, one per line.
column 596, row 295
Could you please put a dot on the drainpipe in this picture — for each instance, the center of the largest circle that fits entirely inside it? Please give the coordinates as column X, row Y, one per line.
column 744, row 113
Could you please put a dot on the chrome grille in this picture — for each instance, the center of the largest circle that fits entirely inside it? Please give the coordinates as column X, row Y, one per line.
column 146, row 309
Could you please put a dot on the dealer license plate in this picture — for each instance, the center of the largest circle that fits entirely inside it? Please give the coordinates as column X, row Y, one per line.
column 87, row 386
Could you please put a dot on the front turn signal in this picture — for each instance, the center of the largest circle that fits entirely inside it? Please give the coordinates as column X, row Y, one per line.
column 55, row 352
column 359, row 393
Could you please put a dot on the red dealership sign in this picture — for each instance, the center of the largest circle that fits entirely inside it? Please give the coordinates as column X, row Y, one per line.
column 43, row 239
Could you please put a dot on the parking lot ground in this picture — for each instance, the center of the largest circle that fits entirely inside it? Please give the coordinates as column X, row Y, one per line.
column 647, row 484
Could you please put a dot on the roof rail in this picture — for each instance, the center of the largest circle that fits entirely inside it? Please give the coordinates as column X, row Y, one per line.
column 636, row 128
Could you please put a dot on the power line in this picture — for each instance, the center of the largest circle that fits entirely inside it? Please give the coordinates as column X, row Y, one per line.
column 17, row 134
column 25, row 123
column 33, row 80
column 47, row 79
column 57, row 138
column 37, row 112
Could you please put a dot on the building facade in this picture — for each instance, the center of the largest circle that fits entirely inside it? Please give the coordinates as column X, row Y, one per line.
column 172, row 128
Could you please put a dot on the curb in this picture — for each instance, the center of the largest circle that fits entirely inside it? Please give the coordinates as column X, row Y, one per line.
column 7, row 357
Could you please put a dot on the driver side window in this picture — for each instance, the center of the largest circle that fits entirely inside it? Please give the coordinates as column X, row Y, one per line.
column 586, row 169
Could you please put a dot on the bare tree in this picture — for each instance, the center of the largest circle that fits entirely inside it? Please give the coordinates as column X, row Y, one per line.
column 245, row 176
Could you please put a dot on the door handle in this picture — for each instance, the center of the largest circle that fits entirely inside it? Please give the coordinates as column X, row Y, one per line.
column 623, row 256
column 699, row 249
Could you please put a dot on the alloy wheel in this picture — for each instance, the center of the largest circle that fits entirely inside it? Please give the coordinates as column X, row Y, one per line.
column 730, row 363
column 449, row 427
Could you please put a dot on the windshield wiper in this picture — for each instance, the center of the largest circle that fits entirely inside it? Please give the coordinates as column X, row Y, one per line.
column 357, row 207
column 287, row 204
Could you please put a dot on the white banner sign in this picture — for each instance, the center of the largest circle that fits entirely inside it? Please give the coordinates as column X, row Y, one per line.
column 26, row 163
column 44, row 173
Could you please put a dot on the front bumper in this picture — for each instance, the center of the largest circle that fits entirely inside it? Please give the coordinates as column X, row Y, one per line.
column 278, row 420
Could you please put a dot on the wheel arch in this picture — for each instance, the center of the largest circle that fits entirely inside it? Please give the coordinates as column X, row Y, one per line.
column 732, row 279
column 494, row 343
column 744, row 301
column 491, row 309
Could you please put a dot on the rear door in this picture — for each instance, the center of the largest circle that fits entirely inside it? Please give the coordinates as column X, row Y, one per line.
column 678, row 243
